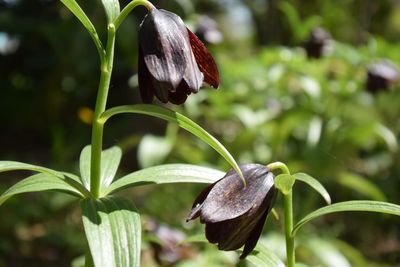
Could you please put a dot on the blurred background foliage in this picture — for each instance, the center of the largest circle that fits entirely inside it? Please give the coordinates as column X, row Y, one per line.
column 274, row 103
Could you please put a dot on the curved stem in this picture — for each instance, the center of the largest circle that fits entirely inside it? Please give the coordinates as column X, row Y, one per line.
column 101, row 101
column 288, row 212
column 129, row 7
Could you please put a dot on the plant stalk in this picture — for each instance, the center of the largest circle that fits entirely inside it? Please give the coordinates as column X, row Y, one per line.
column 288, row 214
column 101, row 101
column 288, row 211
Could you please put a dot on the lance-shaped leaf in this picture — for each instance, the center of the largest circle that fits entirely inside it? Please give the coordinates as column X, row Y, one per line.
column 182, row 121
column 112, row 227
column 73, row 6
column 168, row 173
column 263, row 257
column 354, row 205
column 112, row 9
column 58, row 177
column 39, row 182
column 110, row 159
column 315, row 184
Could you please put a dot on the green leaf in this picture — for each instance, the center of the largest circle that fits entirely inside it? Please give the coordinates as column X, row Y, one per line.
column 284, row 182
column 168, row 173
column 262, row 257
column 73, row 6
column 153, row 150
column 354, row 205
column 315, row 184
column 182, row 121
column 361, row 185
column 326, row 253
column 110, row 159
column 112, row 9
column 388, row 136
column 112, row 227
column 15, row 166
column 39, row 182
column 71, row 179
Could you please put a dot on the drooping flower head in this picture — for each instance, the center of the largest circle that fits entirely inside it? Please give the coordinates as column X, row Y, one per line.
column 235, row 214
column 173, row 62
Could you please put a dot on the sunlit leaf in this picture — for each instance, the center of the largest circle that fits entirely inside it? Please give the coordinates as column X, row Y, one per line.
column 361, row 185
column 153, row 150
column 112, row 9
column 112, row 227
column 68, row 178
column 15, row 166
column 110, row 159
column 39, row 182
column 262, row 257
column 284, row 182
column 315, row 184
column 182, row 121
column 326, row 253
column 388, row 136
column 355, row 205
column 168, row 173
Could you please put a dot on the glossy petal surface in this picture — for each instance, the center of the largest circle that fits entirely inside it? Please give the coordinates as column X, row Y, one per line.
column 229, row 199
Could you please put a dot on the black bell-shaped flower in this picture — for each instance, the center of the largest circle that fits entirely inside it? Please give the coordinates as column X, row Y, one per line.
column 173, row 62
column 235, row 214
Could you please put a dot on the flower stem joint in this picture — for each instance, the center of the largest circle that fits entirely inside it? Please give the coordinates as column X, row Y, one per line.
column 235, row 214
column 173, row 62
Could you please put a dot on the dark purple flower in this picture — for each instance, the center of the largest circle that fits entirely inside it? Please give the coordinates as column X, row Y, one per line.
column 235, row 215
column 382, row 75
column 319, row 43
column 173, row 62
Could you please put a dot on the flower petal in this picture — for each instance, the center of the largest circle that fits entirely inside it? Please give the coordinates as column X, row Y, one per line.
column 180, row 95
column 145, row 85
column 165, row 47
column 256, row 233
column 229, row 199
column 198, row 203
column 204, row 60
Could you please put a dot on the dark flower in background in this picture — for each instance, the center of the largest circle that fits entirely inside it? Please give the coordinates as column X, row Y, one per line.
column 173, row 62
column 235, row 215
column 381, row 75
column 318, row 43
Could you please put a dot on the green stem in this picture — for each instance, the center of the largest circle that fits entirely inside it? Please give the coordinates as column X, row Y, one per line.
column 129, row 7
column 97, row 127
column 288, row 212
column 288, row 207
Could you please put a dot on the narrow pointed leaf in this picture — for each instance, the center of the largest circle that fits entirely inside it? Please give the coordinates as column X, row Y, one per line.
column 39, row 182
column 168, row 173
column 315, row 184
column 262, row 257
column 84, row 166
column 182, row 121
column 110, row 159
column 112, row 227
column 15, row 166
column 362, row 185
column 73, row 6
column 355, row 205
column 112, row 9
column 68, row 178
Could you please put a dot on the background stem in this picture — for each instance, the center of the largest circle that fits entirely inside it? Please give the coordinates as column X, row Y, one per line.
column 101, row 101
